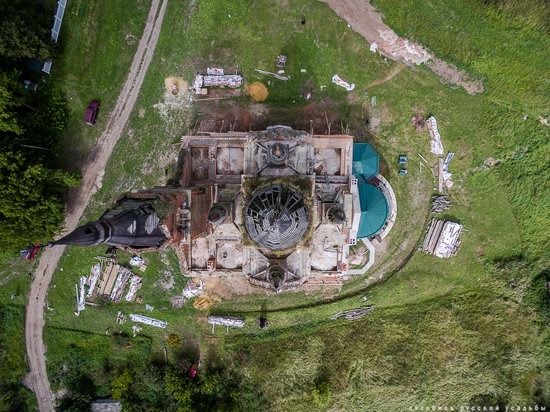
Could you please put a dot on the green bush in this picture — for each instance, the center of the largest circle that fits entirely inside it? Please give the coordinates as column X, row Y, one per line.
column 321, row 394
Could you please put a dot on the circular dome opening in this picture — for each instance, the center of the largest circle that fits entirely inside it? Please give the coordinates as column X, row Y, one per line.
column 276, row 217
column 278, row 153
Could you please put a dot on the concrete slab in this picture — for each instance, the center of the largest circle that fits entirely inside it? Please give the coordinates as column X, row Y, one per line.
column 327, row 241
column 230, row 161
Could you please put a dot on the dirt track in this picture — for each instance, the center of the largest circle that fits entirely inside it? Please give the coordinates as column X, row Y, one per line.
column 365, row 20
column 93, row 173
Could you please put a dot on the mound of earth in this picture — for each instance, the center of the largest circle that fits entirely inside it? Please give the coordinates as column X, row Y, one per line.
column 257, row 91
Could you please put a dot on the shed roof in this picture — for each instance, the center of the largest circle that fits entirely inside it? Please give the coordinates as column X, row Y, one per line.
column 374, row 210
column 365, row 161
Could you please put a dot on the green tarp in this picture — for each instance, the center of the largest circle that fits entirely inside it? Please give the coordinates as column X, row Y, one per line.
column 374, row 210
column 365, row 161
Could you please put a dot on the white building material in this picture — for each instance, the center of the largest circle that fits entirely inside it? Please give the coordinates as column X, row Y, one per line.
column 135, row 284
column 449, row 240
column 80, row 296
column 95, row 272
column 447, row 181
column 148, row 321
column 276, row 75
column 214, row 71
column 191, row 289
column 338, row 80
column 228, row 321
column 120, row 282
column 436, row 143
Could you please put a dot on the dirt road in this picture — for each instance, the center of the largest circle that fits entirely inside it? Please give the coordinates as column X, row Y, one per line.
column 365, row 20
column 92, row 175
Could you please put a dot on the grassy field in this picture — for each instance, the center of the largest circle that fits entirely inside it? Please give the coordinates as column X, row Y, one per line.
column 98, row 41
column 470, row 330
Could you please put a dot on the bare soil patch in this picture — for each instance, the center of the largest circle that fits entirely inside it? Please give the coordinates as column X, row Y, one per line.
column 365, row 20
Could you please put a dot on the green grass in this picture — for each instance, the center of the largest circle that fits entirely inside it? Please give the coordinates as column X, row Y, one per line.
column 98, row 41
column 444, row 332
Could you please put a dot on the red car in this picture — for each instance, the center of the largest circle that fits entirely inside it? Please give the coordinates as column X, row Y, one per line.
column 91, row 112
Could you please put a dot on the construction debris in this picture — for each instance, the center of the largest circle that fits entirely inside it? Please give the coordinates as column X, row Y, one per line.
column 120, row 318
column 148, row 321
column 203, row 302
column 95, row 272
column 139, row 262
column 338, row 80
column 192, row 290
column 110, row 280
column 276, row 75
column 80, row 296
column 135, row 284
column 353, row 314
column 214, row 79
column 227, row 321
column 442, row 238
column 214, row 71
column 446, row 175
column 436, row 144
column 440, row 203
column 281, row 61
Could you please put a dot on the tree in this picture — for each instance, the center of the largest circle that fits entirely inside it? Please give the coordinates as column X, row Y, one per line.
column 179, row 388
column 31, row 204
column 8, row 102
column 121, row 385
column 24, row 30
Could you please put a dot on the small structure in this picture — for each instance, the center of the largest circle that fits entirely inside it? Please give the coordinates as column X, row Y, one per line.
column 148, row 321
column 442, row 238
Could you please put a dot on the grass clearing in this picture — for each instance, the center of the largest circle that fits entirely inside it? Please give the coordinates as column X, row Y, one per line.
column 443, row 332
column 98, row 41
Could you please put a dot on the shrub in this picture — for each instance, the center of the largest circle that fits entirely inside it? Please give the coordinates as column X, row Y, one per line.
column 321, row 394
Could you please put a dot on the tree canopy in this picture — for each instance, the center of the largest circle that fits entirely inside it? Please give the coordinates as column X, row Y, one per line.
column 31, row 204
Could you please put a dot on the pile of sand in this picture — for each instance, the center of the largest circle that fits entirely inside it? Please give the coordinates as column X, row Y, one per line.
column 175, row 85
column 257, row 91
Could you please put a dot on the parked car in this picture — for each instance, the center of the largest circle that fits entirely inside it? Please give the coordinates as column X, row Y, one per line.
column 90, row 116
column 402, row 163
